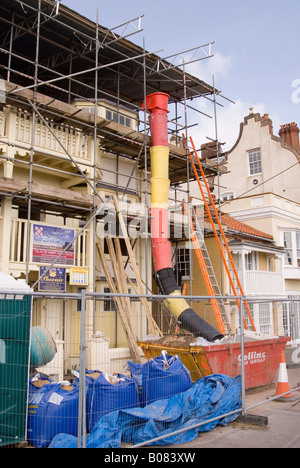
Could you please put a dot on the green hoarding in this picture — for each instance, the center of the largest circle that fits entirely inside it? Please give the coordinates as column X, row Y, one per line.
column 15, row 320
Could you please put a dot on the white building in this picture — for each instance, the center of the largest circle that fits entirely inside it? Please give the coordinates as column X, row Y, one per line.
column 262, row 190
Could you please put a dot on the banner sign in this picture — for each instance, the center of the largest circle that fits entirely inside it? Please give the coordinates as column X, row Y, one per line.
column 54, row 279
column 48, row 243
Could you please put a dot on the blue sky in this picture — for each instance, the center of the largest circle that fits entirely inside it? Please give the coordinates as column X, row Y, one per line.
column 256, row 52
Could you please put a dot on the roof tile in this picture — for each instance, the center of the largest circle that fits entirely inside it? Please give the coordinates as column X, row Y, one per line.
column 238, row 226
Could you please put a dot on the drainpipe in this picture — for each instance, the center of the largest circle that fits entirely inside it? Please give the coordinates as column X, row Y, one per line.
column 157, row 106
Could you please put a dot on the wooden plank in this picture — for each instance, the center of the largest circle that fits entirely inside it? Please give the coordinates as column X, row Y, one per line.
column 119, row 279
column 46, row 192
column 8, row 185
column 122, row 274
column 131, row 339
column 154, row 329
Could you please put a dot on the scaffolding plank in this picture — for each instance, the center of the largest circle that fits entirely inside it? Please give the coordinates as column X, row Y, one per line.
column 127, row 329
column 154, row 329
column 46, row 192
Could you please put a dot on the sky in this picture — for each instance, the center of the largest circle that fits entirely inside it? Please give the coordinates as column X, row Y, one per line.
column 255, row 61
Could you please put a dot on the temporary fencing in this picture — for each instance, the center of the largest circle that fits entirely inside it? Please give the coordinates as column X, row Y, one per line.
column 182, row 385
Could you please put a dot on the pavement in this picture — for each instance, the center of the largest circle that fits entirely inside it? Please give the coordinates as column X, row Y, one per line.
column 283, row 421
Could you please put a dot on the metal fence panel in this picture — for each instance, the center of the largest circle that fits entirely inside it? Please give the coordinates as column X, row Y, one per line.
column 56, row 407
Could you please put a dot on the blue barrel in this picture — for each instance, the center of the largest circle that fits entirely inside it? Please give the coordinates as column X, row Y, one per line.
column 52, row 409
column 160, row 378
column 42, row 347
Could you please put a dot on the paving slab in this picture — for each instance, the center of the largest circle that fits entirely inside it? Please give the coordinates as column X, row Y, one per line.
column 281, row 431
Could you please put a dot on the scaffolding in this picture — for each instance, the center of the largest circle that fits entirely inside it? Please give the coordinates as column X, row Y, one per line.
column 58, row 71
column 53, row 58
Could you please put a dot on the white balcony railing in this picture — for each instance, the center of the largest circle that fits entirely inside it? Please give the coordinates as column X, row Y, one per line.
column 51, row 137
column 291, row 272
column 2, row 124
column 263, row 283
column 18, row 243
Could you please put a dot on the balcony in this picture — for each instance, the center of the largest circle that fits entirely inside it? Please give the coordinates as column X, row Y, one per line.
column 291, row 272
column 263, row 283
column 55, row 138
column 50, row 138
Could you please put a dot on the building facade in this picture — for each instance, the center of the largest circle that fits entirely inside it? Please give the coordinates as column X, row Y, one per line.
column 258, row 262
column 262, row 190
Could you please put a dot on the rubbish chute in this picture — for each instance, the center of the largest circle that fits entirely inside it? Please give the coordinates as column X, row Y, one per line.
column 157, row 106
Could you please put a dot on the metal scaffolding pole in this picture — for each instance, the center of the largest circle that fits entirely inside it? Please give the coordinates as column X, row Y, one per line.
column 144, row 70
column 32, row 142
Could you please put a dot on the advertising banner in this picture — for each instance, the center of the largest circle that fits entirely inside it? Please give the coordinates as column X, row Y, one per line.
column 49, row 242
column 54, row 279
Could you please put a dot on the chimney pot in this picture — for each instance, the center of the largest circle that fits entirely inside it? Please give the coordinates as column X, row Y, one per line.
column 289, row 133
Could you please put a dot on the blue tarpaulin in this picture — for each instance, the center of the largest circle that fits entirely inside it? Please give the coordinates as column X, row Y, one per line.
column 159, row 378
column 108, row 393
column 209, row 397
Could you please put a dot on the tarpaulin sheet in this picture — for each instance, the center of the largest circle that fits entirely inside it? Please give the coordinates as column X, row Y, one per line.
column 159, row 378
column 208, row 398
column 107, row 393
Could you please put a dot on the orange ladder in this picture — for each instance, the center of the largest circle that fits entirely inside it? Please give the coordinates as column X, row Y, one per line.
column 217, row 219
column 207, row 270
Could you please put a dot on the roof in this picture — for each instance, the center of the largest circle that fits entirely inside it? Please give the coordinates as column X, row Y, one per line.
column 242, row 228
column 66, row 71
column 67, row 44
column 264, row 121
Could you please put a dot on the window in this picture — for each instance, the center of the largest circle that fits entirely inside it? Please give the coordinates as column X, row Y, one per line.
column 254, row 157
column 288, row 248
column 109, row 303
column 246, row 315
column 265, row 319
column 291, row 317
column 183, row 262
column 298, row 248
column 269, row 263
column 121, row 119
column 291, row 242
column 227, row 196
column 286, row 309
column 123, row 247
column 251, row 261
column 262, row 316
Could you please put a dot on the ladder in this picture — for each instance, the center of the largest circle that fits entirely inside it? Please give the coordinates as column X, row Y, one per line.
column 207, row 270
column 214, row 217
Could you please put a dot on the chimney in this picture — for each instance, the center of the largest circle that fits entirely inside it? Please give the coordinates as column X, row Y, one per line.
column 289, row 133
column 210, row 150
column 267, row 121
